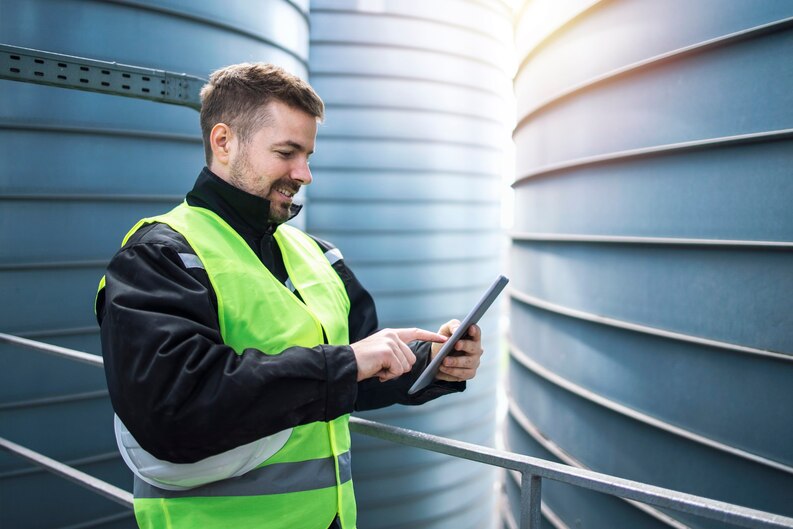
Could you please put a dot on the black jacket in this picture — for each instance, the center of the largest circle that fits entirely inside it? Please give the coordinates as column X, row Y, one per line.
column 179, row 389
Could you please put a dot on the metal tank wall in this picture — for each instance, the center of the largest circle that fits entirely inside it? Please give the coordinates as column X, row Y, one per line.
column 407, row 173
column 652, row 300
column 76, row 170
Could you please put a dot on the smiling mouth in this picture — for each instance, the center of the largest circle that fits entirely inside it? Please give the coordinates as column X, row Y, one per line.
column 286, row 192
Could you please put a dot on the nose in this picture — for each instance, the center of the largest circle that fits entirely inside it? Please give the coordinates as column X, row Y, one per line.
column 302, row 173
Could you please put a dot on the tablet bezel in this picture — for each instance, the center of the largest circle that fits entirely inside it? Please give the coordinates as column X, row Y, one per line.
column 473, row 317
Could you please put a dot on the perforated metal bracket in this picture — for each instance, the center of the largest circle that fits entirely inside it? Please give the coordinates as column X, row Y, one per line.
column 54, row 69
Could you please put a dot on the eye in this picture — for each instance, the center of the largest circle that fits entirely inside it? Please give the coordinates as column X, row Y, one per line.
column 285, row 154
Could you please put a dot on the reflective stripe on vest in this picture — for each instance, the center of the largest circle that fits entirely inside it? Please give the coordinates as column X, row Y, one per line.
column 184, row 476
column 307, row 482
column 279, row 478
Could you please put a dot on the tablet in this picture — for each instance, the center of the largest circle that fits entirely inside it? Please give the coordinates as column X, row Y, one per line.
column 426, row 378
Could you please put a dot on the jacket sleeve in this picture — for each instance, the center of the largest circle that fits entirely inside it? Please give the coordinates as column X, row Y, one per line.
column 363, row 322
column 180, row 391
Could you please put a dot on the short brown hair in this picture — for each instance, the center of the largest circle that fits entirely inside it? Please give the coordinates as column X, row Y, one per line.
column 236, row 94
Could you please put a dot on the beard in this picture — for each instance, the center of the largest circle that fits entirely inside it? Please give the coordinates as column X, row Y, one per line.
column 280, row 212
column 241, row 176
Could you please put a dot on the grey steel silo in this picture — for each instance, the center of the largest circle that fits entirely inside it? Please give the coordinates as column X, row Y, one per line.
column 77, row 169
column 407, row 182
column 652, row 301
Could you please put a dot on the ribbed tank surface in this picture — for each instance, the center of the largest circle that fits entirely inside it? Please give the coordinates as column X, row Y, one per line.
column 407, row 184
column 77, row 169
column 652, row 253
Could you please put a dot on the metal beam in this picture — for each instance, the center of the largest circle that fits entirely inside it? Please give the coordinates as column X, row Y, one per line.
column 79, row 73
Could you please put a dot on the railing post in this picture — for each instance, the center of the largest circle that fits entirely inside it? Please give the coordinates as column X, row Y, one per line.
column 530, row 500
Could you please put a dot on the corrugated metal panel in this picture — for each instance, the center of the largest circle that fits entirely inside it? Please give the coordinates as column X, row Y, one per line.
column 76, row 170
column 652, row 300
column 407, row 177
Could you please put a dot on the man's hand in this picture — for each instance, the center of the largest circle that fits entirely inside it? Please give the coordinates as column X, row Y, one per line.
column 385, row 354
column 464, row 361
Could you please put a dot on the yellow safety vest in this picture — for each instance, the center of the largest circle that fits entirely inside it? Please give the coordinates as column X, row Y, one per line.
column 308, row 481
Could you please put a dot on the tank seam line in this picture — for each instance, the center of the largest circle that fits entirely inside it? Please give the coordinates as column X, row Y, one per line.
column 631, row 413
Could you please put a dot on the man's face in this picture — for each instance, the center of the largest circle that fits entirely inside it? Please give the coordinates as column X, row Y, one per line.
column 273, row 162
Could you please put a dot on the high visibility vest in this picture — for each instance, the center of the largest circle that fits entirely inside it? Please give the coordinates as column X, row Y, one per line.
column 307, row 481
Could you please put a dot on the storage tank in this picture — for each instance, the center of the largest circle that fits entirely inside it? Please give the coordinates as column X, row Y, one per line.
column 652, row 300
column 77, row 169
column 407, row 177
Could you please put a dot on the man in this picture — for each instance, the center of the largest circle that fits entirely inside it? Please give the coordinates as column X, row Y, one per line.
column 236, row 346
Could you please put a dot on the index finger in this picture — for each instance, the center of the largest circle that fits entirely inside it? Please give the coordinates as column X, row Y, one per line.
column 408, row 335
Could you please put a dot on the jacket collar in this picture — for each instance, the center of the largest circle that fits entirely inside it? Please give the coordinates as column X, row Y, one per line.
column 244, row 212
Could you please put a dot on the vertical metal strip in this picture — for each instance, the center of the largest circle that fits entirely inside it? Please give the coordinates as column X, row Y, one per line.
column 530, row 500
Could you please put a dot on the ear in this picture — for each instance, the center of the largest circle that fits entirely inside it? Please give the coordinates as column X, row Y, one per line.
column 223, row 142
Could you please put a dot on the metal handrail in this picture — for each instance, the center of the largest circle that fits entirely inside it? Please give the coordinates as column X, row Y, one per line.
column 532, row 470
column 91, row 483
column 63, row 352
